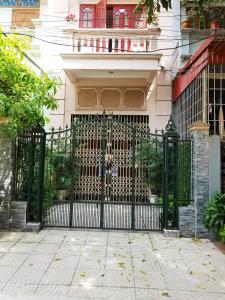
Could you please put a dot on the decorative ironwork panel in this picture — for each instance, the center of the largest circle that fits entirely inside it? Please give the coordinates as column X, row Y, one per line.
column 103, row 172
column 20, row 3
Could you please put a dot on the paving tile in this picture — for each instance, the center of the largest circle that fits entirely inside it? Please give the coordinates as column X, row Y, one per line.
column 53, row 290
column 20, row 289
column 39, row 260
column 122, row 251
column 150, row 265
column 5, row 246
column 100, row 293
column 201, row 266
column 203, row 255
column 211, row 283
column 155, row 294
column 98, row 241
column 58, row 231
column 148, row 279
column 10, row 236
column 70, row 249
column 118, row 278
column 92, row 262
column 28, row 275
column 118, row 241
column 189, row 295
column 53, row 239
column 66, row 262
column 88, row 277
column 23, row 247
column 93, row 251
column 183, row 281
column 6, row 272
column 2, row 285
column 13, row 259
column 162, row 254
column 46, row 249
column 29, row 237
column 118, row 263
column 75, row 240
column 171, row 266
column 58, row 276
column 220, row 268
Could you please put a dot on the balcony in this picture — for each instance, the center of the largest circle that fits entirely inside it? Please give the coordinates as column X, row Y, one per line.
column 98, row 41
column 112, row 53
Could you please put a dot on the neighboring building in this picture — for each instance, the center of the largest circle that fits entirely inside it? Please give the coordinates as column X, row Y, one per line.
column 108, row 58
column 199, row 84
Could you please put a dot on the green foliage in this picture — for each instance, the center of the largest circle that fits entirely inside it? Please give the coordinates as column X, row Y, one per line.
column 23, row 94
column 222, row 234
column 214, row 214
column 205, row 8
column 151, row 6
column 149, row 156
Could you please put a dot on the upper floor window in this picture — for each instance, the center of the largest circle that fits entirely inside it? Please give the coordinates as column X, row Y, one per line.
column 139, row 20
column 87, row 17
column 121, row 18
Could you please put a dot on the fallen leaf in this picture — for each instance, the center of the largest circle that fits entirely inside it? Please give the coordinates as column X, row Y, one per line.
column 165, row 294
column 122, row 265
column 196, row 240
column 58, row 258
column 82, row 274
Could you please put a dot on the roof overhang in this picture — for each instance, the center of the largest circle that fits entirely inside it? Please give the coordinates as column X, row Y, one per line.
column 212, row 51
column 106, row 65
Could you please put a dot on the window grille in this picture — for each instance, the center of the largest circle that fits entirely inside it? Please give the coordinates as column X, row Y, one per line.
column 189, row 106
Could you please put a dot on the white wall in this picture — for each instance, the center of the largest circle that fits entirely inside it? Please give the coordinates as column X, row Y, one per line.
column 53, row 13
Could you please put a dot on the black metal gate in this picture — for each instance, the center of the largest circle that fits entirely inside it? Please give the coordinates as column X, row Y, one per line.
column 106, row 173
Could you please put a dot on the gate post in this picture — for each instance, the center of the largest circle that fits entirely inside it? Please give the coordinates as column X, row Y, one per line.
column 36, row 189
column 170, row 144
column 200, row 174
column 5, row 177
column 133, row 178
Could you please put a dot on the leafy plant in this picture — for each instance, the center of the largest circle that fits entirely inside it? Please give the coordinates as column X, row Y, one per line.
column 214, row 214
column 23, row 94
column 205, row 9
column 149, row 156
column 152, row 6
column 222, row 234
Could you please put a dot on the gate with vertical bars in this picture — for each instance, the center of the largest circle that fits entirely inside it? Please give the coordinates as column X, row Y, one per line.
column 103, row 172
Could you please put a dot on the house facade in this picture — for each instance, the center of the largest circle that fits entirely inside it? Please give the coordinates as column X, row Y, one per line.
column 199, row 84
column 108, row 59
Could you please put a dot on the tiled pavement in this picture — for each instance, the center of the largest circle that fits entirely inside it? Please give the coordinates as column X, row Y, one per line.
column 82, row 264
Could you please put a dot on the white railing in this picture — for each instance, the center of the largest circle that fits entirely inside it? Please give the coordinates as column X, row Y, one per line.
column 115, row 41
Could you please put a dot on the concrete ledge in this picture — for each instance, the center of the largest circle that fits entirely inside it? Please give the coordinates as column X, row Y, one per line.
column 171, row 233
column 18, row 210
column 33, row 226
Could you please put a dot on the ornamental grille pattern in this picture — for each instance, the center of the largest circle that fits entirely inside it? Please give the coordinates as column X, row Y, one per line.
column 20, row 3
column 103, row 173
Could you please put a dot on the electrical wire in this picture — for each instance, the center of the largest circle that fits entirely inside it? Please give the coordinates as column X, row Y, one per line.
column 103, row 47
column 212, row 52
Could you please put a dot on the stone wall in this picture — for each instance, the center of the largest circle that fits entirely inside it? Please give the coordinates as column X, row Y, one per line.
column 18, row 215
column 5, row 177
column 187, row 221
column 191, row 218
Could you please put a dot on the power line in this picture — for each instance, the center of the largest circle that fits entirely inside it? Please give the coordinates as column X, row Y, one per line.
column 197, row 66
column 103, row 47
